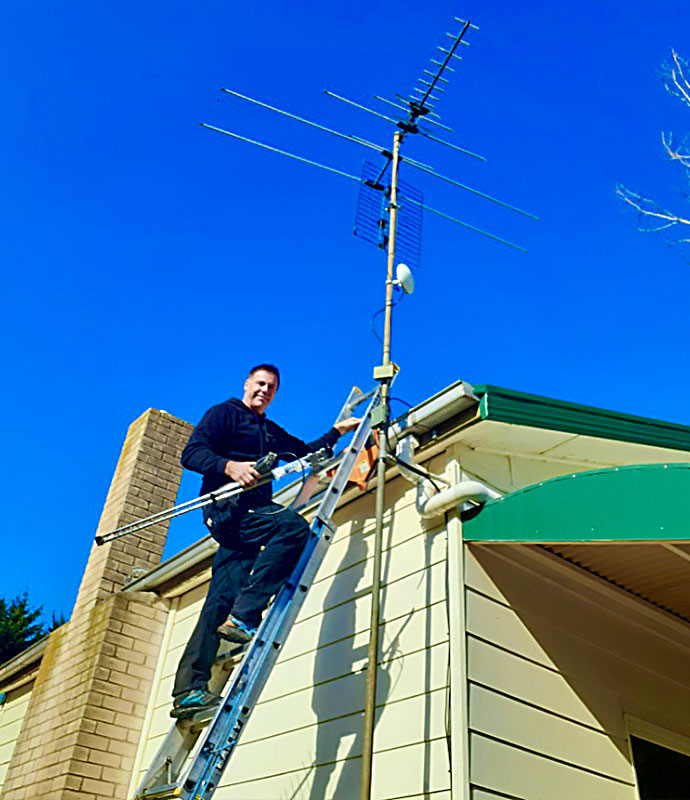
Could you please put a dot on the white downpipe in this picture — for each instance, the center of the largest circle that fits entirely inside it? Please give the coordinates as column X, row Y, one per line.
column 431, row 505
column 431, row 502
column 406, row 462
column 457, row 647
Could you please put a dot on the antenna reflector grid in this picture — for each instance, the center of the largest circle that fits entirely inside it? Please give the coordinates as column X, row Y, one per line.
column 371, row 220
column 370, row 217
column 409, row 230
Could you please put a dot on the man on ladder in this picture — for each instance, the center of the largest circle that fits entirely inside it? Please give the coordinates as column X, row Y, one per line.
column 259, row 541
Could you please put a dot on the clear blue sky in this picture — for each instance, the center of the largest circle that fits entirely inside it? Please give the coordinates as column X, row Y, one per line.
column 149, row 262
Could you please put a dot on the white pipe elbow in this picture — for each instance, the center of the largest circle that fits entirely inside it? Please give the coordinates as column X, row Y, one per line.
column 431, row 503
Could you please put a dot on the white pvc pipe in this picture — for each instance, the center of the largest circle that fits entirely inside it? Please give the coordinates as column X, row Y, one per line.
column 430, row 502
column 431, row 506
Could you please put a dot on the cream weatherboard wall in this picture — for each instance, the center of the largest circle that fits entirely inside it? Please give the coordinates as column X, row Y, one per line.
column 303, row 740
column 556, row 662
column 11, row 718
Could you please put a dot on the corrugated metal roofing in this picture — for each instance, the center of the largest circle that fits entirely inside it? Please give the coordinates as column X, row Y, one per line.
column 653, row 572
column 628, row 525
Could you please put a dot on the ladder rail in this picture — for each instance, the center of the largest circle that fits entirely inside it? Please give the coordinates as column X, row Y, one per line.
column 247, row 681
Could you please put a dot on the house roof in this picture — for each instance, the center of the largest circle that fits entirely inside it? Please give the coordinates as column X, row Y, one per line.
column 509, row 421
column 536, row 411
column 505, row 418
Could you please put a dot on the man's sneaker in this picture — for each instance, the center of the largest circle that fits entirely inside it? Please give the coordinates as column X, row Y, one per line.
column 195, row 700
column 234, row 630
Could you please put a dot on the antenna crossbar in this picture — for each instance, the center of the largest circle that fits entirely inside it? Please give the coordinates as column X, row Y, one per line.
column 426, row 83
column 449, row 53
column 426, row 93
column 455, row 36
column 360, row 106
column 475, row 191
column 440, row 64
column 466, row 225
column 281, row 152
column 463, row 21
column 427, row 135
column 390, row 102
column 347, row 136
column 433, row 74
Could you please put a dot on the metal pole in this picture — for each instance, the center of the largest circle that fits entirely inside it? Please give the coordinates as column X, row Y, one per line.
column 386, row 375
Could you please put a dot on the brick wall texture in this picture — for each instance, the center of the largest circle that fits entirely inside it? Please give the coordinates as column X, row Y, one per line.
column 82, row 726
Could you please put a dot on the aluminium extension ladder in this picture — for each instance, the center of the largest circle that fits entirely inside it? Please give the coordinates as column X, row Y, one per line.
column 191, row 761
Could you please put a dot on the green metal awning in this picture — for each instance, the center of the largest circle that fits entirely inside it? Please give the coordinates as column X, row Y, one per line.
column 647, row 503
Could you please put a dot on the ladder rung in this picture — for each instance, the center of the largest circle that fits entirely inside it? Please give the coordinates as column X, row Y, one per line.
column 167, row 792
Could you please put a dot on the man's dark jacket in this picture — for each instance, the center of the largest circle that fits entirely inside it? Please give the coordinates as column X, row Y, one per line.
column 231, row 431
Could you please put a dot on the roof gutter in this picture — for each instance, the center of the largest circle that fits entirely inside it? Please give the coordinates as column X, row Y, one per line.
column 437, row 409
column 23, row 659
column 174, row 566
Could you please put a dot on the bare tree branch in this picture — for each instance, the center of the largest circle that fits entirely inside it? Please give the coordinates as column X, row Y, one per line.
column 652, row 217
column 675, row 80
column 679, row 153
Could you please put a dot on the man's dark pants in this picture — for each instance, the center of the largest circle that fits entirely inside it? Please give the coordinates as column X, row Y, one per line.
column 243, row 579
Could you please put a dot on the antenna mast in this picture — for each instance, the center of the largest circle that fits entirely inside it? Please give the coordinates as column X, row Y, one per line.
column 419, row 108
column 384, row 374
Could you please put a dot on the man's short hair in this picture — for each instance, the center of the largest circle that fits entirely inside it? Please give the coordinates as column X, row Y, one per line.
column 266, row 368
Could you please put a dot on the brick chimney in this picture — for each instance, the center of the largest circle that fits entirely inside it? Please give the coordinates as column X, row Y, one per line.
column 82, row 725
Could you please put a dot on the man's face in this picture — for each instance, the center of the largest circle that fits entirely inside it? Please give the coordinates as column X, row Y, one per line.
column 259, row 390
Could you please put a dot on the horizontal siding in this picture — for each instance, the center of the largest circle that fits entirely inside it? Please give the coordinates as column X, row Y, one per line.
column 482, row 794
column 11, row 718
column 418, row 629
column 403, row 559
column 413, row 772
column 521, row 774
column 184, row 616
column 398, row 725
column 405, row 677
column 358, row 514
column 505, row 718
column 305, row 732
column 588, row 642
column 413, row 577
column 552, row 670
column 515, row 676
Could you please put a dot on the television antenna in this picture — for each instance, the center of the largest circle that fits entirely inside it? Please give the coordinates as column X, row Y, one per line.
column 419, row 118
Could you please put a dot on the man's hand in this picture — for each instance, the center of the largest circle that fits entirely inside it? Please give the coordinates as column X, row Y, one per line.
column 347, row 425
column 242, row 471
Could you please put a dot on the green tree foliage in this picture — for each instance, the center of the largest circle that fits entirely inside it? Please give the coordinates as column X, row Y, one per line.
column 56, row 622
column 19, row 626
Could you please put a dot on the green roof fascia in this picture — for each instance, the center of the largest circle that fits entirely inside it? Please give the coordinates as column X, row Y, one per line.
column 648, row 502
column 520, row 408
